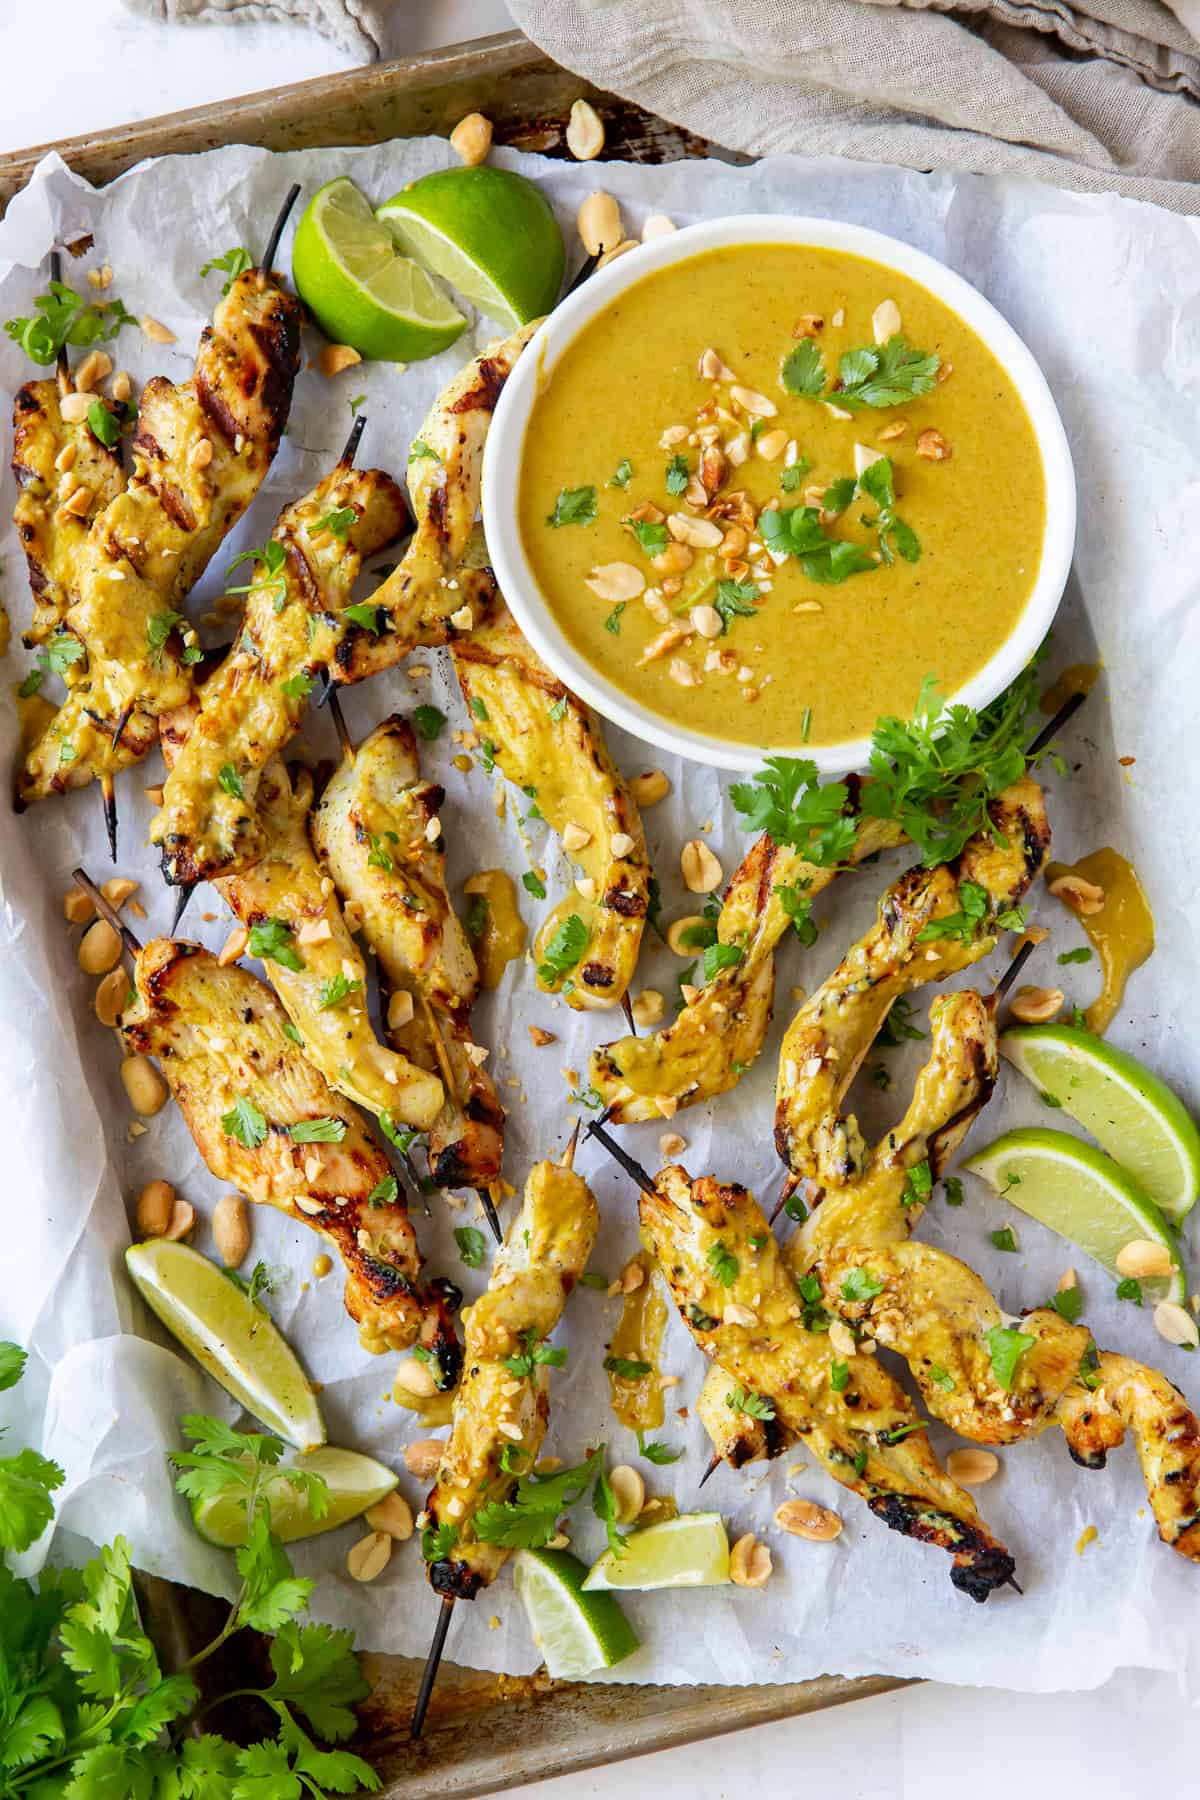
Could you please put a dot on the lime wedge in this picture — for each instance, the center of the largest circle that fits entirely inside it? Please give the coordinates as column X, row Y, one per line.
column 1080, row 1193
column 1128, row 1110
column 489, row 233
column 235, row 1342
column 575, row 1632
column 689, row 1551
column 355, row 1482
column 359, row 289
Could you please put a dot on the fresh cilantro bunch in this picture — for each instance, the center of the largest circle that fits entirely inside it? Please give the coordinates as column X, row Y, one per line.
column 65, row 317
column 786, row 801
column 86, row 1712
column 935, row 773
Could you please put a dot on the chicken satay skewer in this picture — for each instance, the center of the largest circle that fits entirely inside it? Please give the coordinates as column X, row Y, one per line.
column 265, row 1120
column 200, row 454
column 488, row 1195
column 206, row 757
column 744, row 1313
column 544, row 1254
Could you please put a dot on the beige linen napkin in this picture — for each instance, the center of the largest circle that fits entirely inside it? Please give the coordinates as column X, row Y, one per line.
column 1100, row 94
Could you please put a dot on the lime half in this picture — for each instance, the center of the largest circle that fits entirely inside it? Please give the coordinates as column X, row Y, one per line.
column 360, row 290
column 575, row 1632
column 489, row 233
column 354, row 1482
column 1082, row 1194
column 689, row 1551
column 236, row 1343
column 1128, row 1110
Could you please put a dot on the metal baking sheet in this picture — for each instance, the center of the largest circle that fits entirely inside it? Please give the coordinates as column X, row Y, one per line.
column 485, row 1733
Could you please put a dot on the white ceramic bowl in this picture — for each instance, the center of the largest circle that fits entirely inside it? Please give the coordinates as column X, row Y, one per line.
column 502, row 469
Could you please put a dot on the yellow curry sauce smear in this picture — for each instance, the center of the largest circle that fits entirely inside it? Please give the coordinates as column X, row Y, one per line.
column 1076, row 678
column 1121, row 932
column 497, row 929
column 637, row 1400
column 856, row 650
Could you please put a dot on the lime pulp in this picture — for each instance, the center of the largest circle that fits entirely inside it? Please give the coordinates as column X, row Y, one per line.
column 576, row 1632
column 353, row 1482
column 691, row 1550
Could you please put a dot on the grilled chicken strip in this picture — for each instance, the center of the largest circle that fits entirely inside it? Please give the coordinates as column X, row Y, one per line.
column 884, row 1200
column 716, row 1037
column 937, row 1314
column 500, row 1416
column 307, row 950
column 265, row 1120
column 199, row 457
column 725, row 1272
column 925, row 931
column 552, row 747
column 371, row 830
column 431, row 598
column 252, row 705
column 52, row 461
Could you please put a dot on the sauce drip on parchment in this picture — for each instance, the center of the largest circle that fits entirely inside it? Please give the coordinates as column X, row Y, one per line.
column 1121, row 933
column 500, row 937
column 637, row 1400
column 1078, row 678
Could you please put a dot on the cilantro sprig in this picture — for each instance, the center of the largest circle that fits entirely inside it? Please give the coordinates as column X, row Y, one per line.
column 875, row 376
column 530, row 1518
column 86, row 1710
column 796, row 531
column 63, row 317
column 786, row 801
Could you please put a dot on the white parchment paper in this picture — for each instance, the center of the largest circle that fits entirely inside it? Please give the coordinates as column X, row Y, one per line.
column 1105, row 292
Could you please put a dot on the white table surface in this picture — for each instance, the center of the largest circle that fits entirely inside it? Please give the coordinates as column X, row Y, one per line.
column 99, row 66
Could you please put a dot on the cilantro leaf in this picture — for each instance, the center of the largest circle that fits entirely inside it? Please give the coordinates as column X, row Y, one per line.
column 232, row 263
column 1004, row 1238
column 1130, row 1289
column 613, row 621
column 918, row 1185
column 299, row 686
column 574, row 506
column 734, row 600
column 530, row 1519
column 27, row 1481
column 533, row 884
column 964, row 925
column 796, row 905
column 677, row 474
column 1068, row 1303
column 245, row 1123
column 785, row 800
column 12, row 1365
column 567, row 944
column 622, row 475
column 626, row 1368
column 887, row 376
column 796, row 531
column 64, row 317
column 604, row 1505
column 429, row 721
column 744, row 1400
column 337, row 522
column 271, row 940
column 721, row 956
column 803, row 371
column 954, row 1190
column 722, row 1263
column 1006, row 1349
column 421, row 452
column 104, row 426
column 941, row 1377
column 861, row 1285
column 533, row 1351
column 230, row 781
column 471, row 1245
column 364, row 614
column 650, row 535
column 317, row 1131
column 335, row 990
column 657, row 1452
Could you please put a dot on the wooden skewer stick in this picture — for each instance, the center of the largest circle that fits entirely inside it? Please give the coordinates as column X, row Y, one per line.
column 277, row 228
column 108, row 799
column 1066, row 711
column 432, row 1664
column 62, row 367
column 108, row 911
column 434, row 1658
column 627, row 1009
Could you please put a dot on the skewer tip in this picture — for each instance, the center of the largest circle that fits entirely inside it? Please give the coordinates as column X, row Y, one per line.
column 346, row 459
column 490, row 1214
column 619, row 1155
column 1013, row 970
column 567, row 1159
column 432, row 1664
column 185, row 894
column 712, row 1468
column 108, row 799
column 627, row 1009
column 329, row 697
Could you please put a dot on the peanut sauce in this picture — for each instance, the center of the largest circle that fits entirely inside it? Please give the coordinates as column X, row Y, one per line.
column 1122, row 932
column 501, row 936
column 638, row 1401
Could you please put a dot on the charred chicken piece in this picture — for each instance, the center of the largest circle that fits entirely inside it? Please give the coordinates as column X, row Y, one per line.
column 266, row 1121
column 199, row 456
column 372, row 831
column 552, row 747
